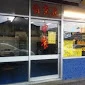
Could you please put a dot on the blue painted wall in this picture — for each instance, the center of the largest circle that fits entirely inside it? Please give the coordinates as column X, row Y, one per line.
column 73, row 68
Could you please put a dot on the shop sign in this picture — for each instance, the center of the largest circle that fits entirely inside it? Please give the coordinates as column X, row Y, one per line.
column 44, row 9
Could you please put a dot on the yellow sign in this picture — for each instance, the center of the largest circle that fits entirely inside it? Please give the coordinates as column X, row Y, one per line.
column 51, row 37
column 69, row 51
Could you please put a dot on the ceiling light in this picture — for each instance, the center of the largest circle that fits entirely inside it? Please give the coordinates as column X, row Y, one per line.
column 75, row 15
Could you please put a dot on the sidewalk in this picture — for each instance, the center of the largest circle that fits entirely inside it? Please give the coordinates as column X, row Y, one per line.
column 57, row 82
column 64, row 82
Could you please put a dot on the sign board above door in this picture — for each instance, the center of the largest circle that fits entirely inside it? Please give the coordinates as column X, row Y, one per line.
column 44, row 9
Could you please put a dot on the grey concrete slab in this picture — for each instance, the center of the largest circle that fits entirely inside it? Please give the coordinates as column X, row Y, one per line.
column 56, row 82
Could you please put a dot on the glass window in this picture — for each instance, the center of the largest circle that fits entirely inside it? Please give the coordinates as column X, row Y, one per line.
column 74, row 39
column 44, row 37
column 13, row 36
column 14, row 6
column 13, row 72
column 44, row 67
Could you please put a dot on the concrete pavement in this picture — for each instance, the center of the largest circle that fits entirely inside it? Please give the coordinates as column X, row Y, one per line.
column 56, row 82
column 64, row 82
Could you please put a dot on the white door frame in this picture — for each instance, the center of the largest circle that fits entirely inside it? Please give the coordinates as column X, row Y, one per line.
column 44, row 57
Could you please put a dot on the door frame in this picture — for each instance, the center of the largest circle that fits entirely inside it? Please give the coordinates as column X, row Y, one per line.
column 55, row 56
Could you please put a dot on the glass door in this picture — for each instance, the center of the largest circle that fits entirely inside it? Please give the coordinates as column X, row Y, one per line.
column 44, row 49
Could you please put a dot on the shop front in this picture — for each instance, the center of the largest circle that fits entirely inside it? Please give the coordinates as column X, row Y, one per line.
column 45, row 41
column 39, row 42
column 29, row 41
column 74, row 43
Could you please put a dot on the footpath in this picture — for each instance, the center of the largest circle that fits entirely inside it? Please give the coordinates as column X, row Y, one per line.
column 64, row 82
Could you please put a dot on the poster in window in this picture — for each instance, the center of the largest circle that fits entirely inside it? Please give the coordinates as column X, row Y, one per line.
column 51, row 37
column 74, row 39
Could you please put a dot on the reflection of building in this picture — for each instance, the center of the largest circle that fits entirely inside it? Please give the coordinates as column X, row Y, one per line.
column 11, row 39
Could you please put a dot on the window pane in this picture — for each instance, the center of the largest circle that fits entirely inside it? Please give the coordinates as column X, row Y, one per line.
column 13, row 36
column 44, row 37
column 13, row 72
column 14, row 6
column 74, row 39
column 44, row 67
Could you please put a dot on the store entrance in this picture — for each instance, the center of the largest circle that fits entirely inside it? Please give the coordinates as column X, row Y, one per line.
column 45, row 38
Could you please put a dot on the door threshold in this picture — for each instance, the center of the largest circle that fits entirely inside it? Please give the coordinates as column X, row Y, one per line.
column 41, row 78
column 44, row 81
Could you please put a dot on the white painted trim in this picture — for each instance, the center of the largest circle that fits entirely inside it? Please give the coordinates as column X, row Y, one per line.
column 43, row 57
column 71, row 20
column 29, row 63
column 49, row 19
column 74, row 57
column 8, row 14
column 44, row 78
column 44, row 81
column 59, row 37
column 13, row 59
column 62, row 42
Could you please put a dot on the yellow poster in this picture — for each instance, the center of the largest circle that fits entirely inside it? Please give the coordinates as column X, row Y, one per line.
column 69, row 51
column 51, row 37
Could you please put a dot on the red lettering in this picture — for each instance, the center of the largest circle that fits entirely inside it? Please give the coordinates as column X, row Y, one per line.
column 45, row 9
column 55, row 11
column 36, row 9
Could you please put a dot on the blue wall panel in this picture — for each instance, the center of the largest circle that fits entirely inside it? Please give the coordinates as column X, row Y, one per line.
column 73, row 68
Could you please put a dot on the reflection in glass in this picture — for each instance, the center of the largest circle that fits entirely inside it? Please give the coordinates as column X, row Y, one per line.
column 20, row 7
column 13, row 36
column 44, row 37
column 44, row 67
column 13, row 72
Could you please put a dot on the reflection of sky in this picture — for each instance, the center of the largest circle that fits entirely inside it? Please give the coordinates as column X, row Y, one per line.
column 5, row 18
column 51, row 24
column 73, row 27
